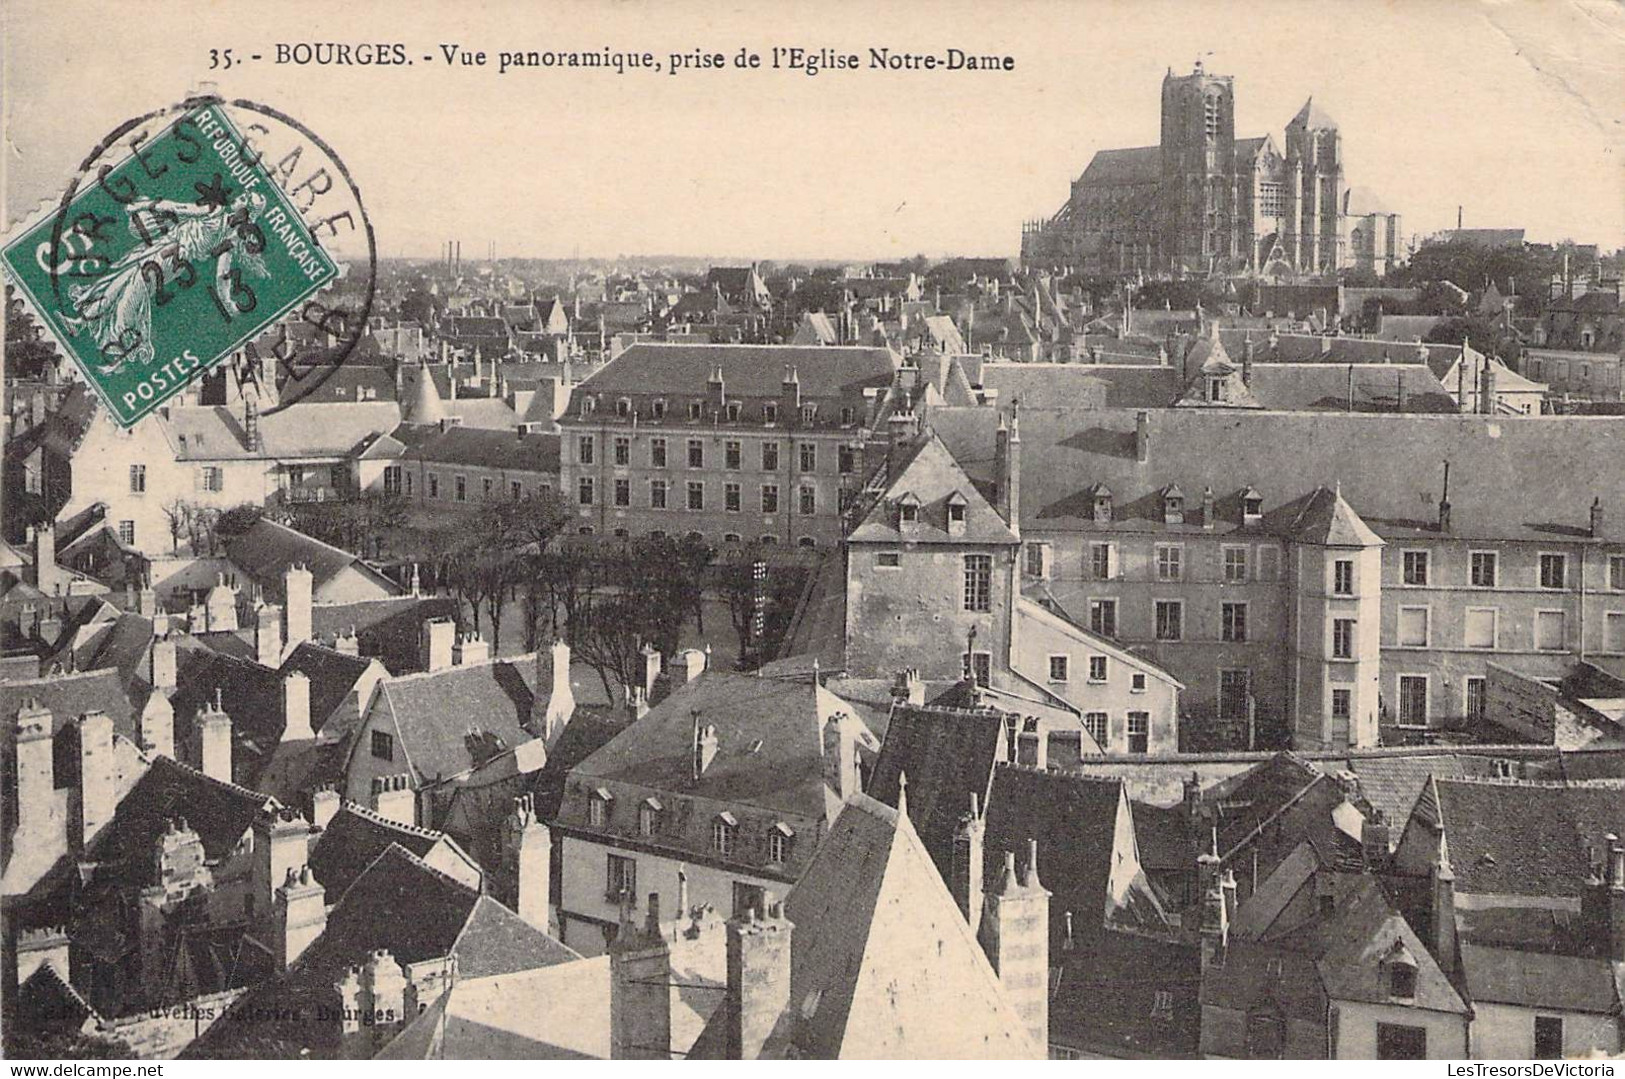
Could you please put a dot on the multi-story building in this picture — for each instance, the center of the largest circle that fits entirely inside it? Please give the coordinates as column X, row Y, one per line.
column 731, row 443
column 1205, row 201
column 1313, row 577
column 1578, row 376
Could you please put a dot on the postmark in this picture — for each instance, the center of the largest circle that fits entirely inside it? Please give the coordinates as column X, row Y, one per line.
column 204, row 234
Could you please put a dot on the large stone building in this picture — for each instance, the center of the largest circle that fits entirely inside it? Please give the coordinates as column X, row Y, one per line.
column 1204, row 201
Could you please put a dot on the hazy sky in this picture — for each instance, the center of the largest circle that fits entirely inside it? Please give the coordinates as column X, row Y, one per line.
column 1513, row 108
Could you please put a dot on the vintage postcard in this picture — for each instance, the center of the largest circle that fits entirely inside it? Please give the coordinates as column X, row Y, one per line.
column 614, row 530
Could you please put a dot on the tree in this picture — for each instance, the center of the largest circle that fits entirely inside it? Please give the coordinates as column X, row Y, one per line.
column 237, row 520
column 744, row 585
column 178, row 515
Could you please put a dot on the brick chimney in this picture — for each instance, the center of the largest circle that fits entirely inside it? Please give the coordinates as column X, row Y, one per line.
column 1142, row 436
column 156, row 725
column 910, row 687
column 384, row 988
column 554, row 703
column 691, row 663
column 296, row 707
column 98, row 776
column 527, row 858
column 841, row 756
column 162, row 664
column 758, row 990
column 298, row 915
column 268, row 635
column 651, row 670
column 394, row 799
column 1443, row 879
column 324, row 806
column 966, row 871
column 211, row 737
column 470, row 648
column 640, row 987
column 435, row 645
column 297, row 586
column 1015, row 935
column 48, row 576
column 1596, row 522
column 1214, row 915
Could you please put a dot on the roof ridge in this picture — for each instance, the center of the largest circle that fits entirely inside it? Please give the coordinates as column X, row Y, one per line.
column 442, row 874
column 53, row 678
column 307, row 536
column 373, row 815
column 235, row 788
column 490, row 661
column 1033, row 769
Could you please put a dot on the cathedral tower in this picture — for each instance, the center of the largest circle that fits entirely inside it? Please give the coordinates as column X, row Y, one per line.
column 1314, row 164
column 1198, row 169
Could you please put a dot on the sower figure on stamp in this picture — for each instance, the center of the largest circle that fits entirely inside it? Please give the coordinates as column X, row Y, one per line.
column 117, row 309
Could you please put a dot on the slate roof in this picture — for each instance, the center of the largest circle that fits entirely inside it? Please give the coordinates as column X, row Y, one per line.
column 386, row 628
column 884, row 955
column 1379, row 387
column 1127, row 995
column 1389, row 467
column 268, row 548
column 479, row 447
column 1048, row 385
column 1313, row 116
column 748, row 371
column 432, row 711
column 1112, row 168
column 337, row 384
column 1530, row 979
column 1391, row 784
column 932, row 477
column 1258, row 796
column 68, row 696
column 332, row 675
column 1514, row 838
column 354, row 839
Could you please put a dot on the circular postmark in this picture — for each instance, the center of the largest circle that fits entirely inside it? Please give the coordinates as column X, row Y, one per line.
column 207, row 235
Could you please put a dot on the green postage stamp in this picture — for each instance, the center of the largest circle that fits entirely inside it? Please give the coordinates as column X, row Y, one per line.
column 161, row 266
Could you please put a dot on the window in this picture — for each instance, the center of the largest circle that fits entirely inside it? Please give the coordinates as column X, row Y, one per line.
column 1269, row 563
column 657, row 453
column 623, row 491
column 1098, row 668
column 770, row 413
column 1481, row 573
column 730, row 497
column 658, row 408
column 1413, row 627
column 1415, row 567
column 126, row 533
column 981, row 667
column 1215, row 389
column 486, row 486
column 1549, row 631
column 696, row 410
column 1037, row 560
column 809, row 456
column 749, row 897
column 588, row 404
column 1479, row 628
column 383, row 745
column 1396, row 1042
column 696, row 494
column 978, row 582
column 770, row 457
column 1474, row 696
column 1095, row 724
column 138, row 479
column 620, row 879
column 584, row 449
column 657, row 494
column 1235, row 565
column 1553, row 570
column 848, row 415
column 778, row 845
column 1413, row 700
column 733, row 411
column 770, row 498
column 598, row 805
column 889, row 559
column 1235, row 690
column 459, row 488
column 1616, row 572
column 1169, row 562
column 213, row 478
column 1103, row 617
column 1101, row 562
column 1343, row 638
column 1613, row 631
column 696, row 453
column 1170, row 619
column 809, row 413
column 408, row 478
column 1548, row 1037
column 1402, row 981
column 584, row 491
column 845, row 460
column 1233, row 622
column 1059, row 668
column 434, row 484
column 1139, row 731
column 1342, row 703
column 649, row 817
column 731, row 452
column 723, row 833
column 1136, row 682
column 623, row 451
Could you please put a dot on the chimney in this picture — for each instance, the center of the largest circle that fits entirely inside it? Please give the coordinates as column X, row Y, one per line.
column 1215, row 914
column 1444, row 914
column 705, row 746
column 758, row 989
column 47, row 575
column 692, row 662
column 1375, row 839
column 383, row 984
column 156, row 725
column 1015, row 935
column 1207, row 508
column 966, row 872
column 298, row 915
column 527, row 858
column 98, row 776
column 790, row 393
column 1247, row 362
column 640, row 988
column 268, row 635
column 161, row 664
column 910, row 687
column 297, row 585
column 347, row 643
column 637, row 705
column 1596, row 519
column 1487, row 397
column 559, row 706
column 296, row 707
column 1444, row 501
column 212, row 742
column 324, row 806
column 470, row 648
column 716, row 388
column 434, row 651
column 1142, row 436
column 841, row 756
column 42, row 947
column 251, row 421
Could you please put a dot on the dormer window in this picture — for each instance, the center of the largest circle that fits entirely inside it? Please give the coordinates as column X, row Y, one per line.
column 808, row 413
column 908, row 511
column 1252, row 506
column 695, row 410
column 1173, row 506
column 588, row 403
column 733, row 411
column 659, row 409
column 1399, row 972
column 847, row 416
column 1215, row 388
column 649, row 816
column 623, row 407
column 778, row 843
column 956, row 514
column 599, row 804
column 1103, row 505
column 724, row 832
column 770, row 413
